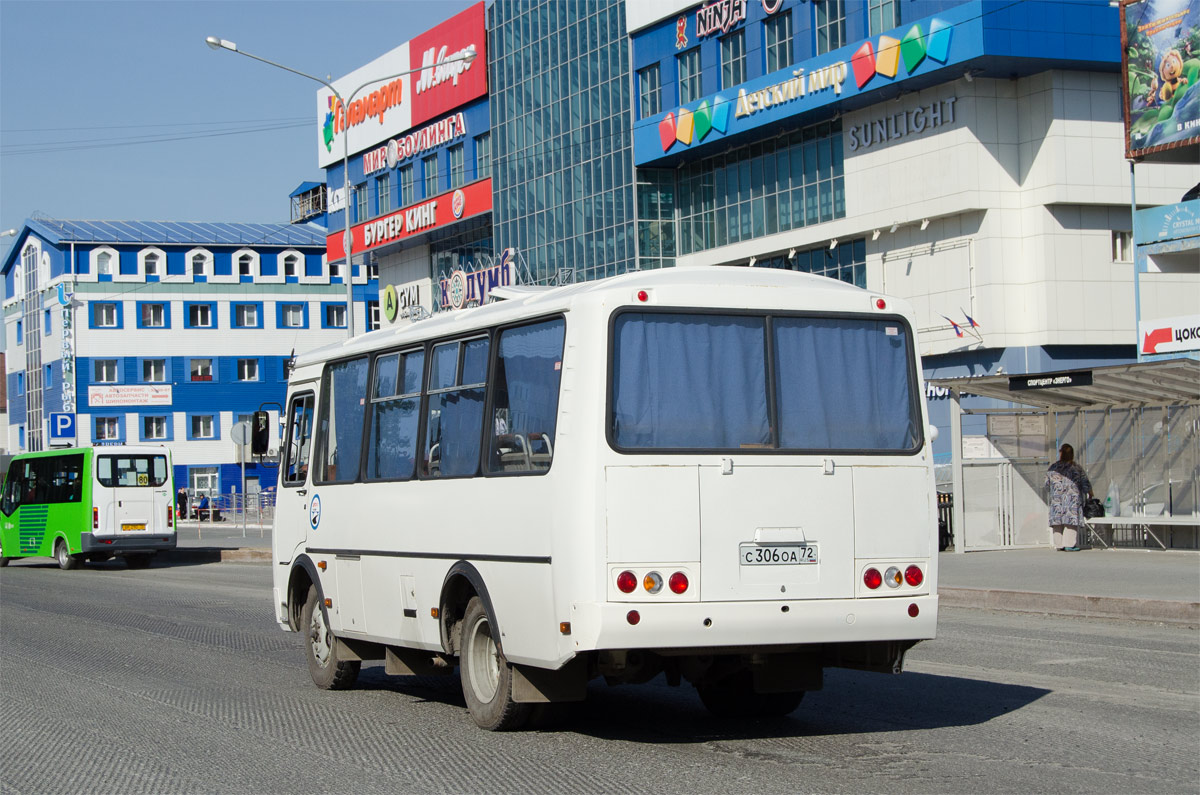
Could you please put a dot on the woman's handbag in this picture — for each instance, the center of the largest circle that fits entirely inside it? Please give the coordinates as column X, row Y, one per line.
column 1093, row 508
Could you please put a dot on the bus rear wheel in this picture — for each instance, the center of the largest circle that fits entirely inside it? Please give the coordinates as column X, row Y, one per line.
column 486, row 675
column 62, row 553
column 734, row 697
column 320, row 648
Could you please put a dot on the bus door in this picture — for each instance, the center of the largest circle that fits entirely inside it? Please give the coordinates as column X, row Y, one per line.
column 293, row 505
column 132, row 493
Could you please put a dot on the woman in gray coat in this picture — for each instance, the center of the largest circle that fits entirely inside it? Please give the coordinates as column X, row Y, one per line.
column 1069, row 487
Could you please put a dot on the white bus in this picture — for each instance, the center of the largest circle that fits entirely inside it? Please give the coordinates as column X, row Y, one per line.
column 716, row 474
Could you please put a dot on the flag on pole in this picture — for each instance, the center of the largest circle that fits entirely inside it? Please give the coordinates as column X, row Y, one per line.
column 970, row 320
column 957, row 331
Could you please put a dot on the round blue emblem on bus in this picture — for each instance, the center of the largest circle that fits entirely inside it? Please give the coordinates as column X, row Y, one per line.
column 314, row 511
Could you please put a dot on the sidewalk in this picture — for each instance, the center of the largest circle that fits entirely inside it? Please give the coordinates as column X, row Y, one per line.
column 1143, row 585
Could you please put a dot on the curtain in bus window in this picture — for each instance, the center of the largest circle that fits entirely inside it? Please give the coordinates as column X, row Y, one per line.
column 689, row 381
column 456, row 417
column 843, row 384
column 342, row 421
column 525, row 409
column 392, row 446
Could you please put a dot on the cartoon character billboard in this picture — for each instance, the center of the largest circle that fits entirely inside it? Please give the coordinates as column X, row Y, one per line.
column 1161, row 64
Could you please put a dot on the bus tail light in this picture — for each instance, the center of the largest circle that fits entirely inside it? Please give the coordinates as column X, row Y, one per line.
column 913, row 610
column 626, row 582
column 678, row 582
column 893, row 577
column 914, row 576
column 633, row 617
column 652, row 582
column 95, row 518
column 872, row 578
column 170, row 516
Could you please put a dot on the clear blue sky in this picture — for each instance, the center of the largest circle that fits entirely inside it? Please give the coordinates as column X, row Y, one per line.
column 118, row 110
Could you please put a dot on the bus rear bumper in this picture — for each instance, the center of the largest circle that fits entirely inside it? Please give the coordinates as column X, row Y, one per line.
column 118, row 544
column 606, row 625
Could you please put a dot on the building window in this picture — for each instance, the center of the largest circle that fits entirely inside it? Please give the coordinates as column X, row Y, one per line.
column 335, row 270
column 200, row 316
column 1122, row 246
column 483, row 156
column 689, row 76
column 733, row 59
column 104, row 371
column 291, row 265
column 245, row 315
column 779, row 42
column 372, row 315
column 458, row 174
column 247, row 369
column 649, row 91
column 245, row 263
column 153, row 316
column 293, row 315
column 383, row 193
column 47, row 323
column 154, row 370
column 373, row 269
column 202, row 426
column 108, row 429
column 407, row 187
column 360, row 202
column 154, row 428
column 151, row 264
column 885, row 15
column 430, row 166
column 104, row 264
column 20, row 384
column 106, row 316
column 202, row 370
column 335, row 316
column 48, row 378
column 20, row 332
column 199, row 262
column 831, row 25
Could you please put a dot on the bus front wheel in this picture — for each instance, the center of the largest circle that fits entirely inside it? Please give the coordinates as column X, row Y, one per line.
column 3, row 560
column 66, row 561
column 320, row 648
column 486, row 675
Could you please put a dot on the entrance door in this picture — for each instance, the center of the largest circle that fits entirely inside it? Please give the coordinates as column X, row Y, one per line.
column 204, row 480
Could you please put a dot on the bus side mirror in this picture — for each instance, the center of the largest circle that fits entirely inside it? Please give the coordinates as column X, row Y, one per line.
column 260, row 433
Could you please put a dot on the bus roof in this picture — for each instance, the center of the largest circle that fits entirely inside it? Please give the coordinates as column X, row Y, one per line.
column 103, row 449
column 819, row 291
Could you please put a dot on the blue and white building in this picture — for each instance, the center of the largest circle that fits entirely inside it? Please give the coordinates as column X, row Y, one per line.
column 162, row 333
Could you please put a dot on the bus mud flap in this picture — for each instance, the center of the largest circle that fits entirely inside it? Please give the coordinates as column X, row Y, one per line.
column 540, row 686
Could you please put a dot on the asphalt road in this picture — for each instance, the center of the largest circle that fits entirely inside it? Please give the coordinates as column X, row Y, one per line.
column 176, row 679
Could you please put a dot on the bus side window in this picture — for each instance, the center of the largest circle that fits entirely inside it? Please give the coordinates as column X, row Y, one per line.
column 299, row 435
column 13, row 488
column 525, row 397
column 340, row 427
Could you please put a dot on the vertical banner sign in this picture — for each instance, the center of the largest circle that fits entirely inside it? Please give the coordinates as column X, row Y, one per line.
column 1160, row 62
column 68, row 353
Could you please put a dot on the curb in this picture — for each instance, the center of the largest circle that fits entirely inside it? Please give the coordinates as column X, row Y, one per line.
column 1073, row 605
column 217, row 555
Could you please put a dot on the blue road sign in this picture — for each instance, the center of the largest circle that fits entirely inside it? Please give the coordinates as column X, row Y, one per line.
column 62, row 427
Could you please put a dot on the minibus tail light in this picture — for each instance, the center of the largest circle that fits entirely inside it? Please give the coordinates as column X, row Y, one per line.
column 95, row 518
column 170, row 516
column 678, row 582
column 893, row 577
column 626, row 582
column 872, row 578
column 652, row 582
column 914, row 576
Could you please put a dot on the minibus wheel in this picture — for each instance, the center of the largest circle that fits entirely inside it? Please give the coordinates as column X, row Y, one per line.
column 320, row 648
column 3, row 560
column 486, row 675
column 66, row 561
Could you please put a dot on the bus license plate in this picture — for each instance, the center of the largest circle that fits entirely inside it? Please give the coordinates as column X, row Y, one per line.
column 133, row 526
column 777, row 554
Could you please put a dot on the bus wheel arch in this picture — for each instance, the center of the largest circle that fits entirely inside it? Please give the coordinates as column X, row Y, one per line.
column 462, row 582
column 62, row 553
column 304, row 575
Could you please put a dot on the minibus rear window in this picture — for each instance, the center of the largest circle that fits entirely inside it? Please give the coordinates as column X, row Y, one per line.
column 124, row 471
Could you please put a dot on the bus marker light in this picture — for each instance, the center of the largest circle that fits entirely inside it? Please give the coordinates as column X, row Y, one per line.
column 913, row 610
column 633, row 617
column 913, row 576
column 626, row 582
column 872, row 578
column 433, row 612
column 329, row 603
column 652, row 582
column 95, row 518
column 643, row 296
column 321, row 565
column 892, row 577
column 564, row 627
column 880, row 303
column 678, row 582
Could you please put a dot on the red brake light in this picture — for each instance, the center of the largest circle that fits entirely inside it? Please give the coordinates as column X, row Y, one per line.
column 913, row 610
column 880, row 303
column 626, row 582
column 643, row 296
column 633, row 617
column 678, row 582
column 913, row 576
column 95, row 518
column 170, row 516
column 872, row 578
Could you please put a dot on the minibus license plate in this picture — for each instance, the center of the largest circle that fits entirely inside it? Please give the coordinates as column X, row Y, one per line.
column 133, row 526
column 777, row 554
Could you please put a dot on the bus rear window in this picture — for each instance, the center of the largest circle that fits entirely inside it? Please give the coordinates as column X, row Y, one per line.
column 698, row 381
column 122, row 471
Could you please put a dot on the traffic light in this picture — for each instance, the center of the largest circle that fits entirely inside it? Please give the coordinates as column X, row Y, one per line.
column 260, row 433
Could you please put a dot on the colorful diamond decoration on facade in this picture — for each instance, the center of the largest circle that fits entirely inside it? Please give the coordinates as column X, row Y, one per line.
column 702, row 118
column 863, row 64
column 912, row 48
column 684, row 127
column 937, row 46
column 720, row 113
column 666, row 131
column 887, row 63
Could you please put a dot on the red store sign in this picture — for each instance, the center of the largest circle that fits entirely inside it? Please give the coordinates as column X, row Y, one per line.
column 443, row 210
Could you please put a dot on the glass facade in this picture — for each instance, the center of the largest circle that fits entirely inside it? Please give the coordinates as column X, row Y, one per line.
column 483, row 156
column 560, row 118
column 649, row 91
column 847, row 262
column 760, row 189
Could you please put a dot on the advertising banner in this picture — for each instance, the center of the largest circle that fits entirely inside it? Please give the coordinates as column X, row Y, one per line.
column 138, row 395
column 383, row 103
column 1160, row 61
column 1169, row 335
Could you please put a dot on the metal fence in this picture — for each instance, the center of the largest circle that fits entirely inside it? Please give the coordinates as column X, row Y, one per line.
column 255, row 509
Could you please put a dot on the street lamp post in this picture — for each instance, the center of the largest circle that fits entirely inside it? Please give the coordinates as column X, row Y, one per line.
column 348, row 238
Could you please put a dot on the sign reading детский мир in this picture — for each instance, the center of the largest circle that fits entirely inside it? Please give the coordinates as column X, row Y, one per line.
column 883, row 61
